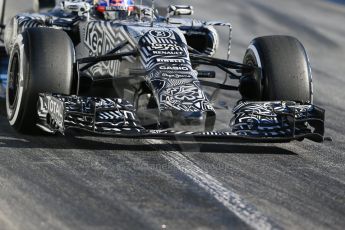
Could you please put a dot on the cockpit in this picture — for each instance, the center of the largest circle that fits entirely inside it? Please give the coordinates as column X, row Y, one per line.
column 103, row 9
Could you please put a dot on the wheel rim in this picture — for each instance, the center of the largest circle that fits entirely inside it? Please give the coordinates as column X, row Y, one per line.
column 251, row 59
column 13, row 82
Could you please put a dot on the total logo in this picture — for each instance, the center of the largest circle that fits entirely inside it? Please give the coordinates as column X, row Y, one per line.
column 55, row 109
column 160, row 33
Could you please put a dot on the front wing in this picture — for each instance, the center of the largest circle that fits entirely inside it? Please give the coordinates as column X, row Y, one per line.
column 252, row 121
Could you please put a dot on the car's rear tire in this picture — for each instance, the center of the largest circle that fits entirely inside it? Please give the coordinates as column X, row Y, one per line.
column 41, row 61
column 286, row 73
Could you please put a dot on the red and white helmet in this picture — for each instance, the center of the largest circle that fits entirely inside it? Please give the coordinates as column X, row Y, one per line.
column 114, row 5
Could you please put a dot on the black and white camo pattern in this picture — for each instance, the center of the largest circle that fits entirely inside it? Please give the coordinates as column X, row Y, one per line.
column 101, row 37
column 100, row 115
column 164, row 54
column 252, row 120
column 29, row 21
column 166, row 59
column 274, row 119
column 23, row 21
column 18, row 25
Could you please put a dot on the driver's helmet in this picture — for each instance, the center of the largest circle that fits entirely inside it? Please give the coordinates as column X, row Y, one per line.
column 115, row 9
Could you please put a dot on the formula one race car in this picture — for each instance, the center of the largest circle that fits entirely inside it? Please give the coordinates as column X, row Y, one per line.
column 116, row 68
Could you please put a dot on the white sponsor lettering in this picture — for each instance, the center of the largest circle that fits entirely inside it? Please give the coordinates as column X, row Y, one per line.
column 167, row 52
column 167, row 47
column 183, row 68
column 55, row 110
column 176, row 75
column 163, row 60
column 73, row 7
column 161, row 33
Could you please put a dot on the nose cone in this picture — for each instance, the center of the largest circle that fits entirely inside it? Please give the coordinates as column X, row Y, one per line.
column 186, row 121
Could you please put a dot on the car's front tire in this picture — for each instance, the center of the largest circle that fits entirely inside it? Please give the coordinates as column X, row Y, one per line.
column 285, row 69
column 41, row 61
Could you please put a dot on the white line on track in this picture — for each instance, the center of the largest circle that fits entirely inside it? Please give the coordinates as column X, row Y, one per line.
column 232, row 201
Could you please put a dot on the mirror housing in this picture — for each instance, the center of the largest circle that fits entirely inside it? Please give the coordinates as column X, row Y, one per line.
column 81, row 8
column 147, row 12
column 177, row 10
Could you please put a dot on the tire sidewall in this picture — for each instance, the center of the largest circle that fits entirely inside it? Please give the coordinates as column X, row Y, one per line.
column 15, row 114
column 254, row 51
column 310, row 75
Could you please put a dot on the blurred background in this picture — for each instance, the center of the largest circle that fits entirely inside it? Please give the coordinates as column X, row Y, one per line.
column 318, row 24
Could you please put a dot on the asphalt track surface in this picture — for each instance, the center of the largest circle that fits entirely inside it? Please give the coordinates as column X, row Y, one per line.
column 84, row 182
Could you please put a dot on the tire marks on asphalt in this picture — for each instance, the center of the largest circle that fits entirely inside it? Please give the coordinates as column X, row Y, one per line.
column 229, row 199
